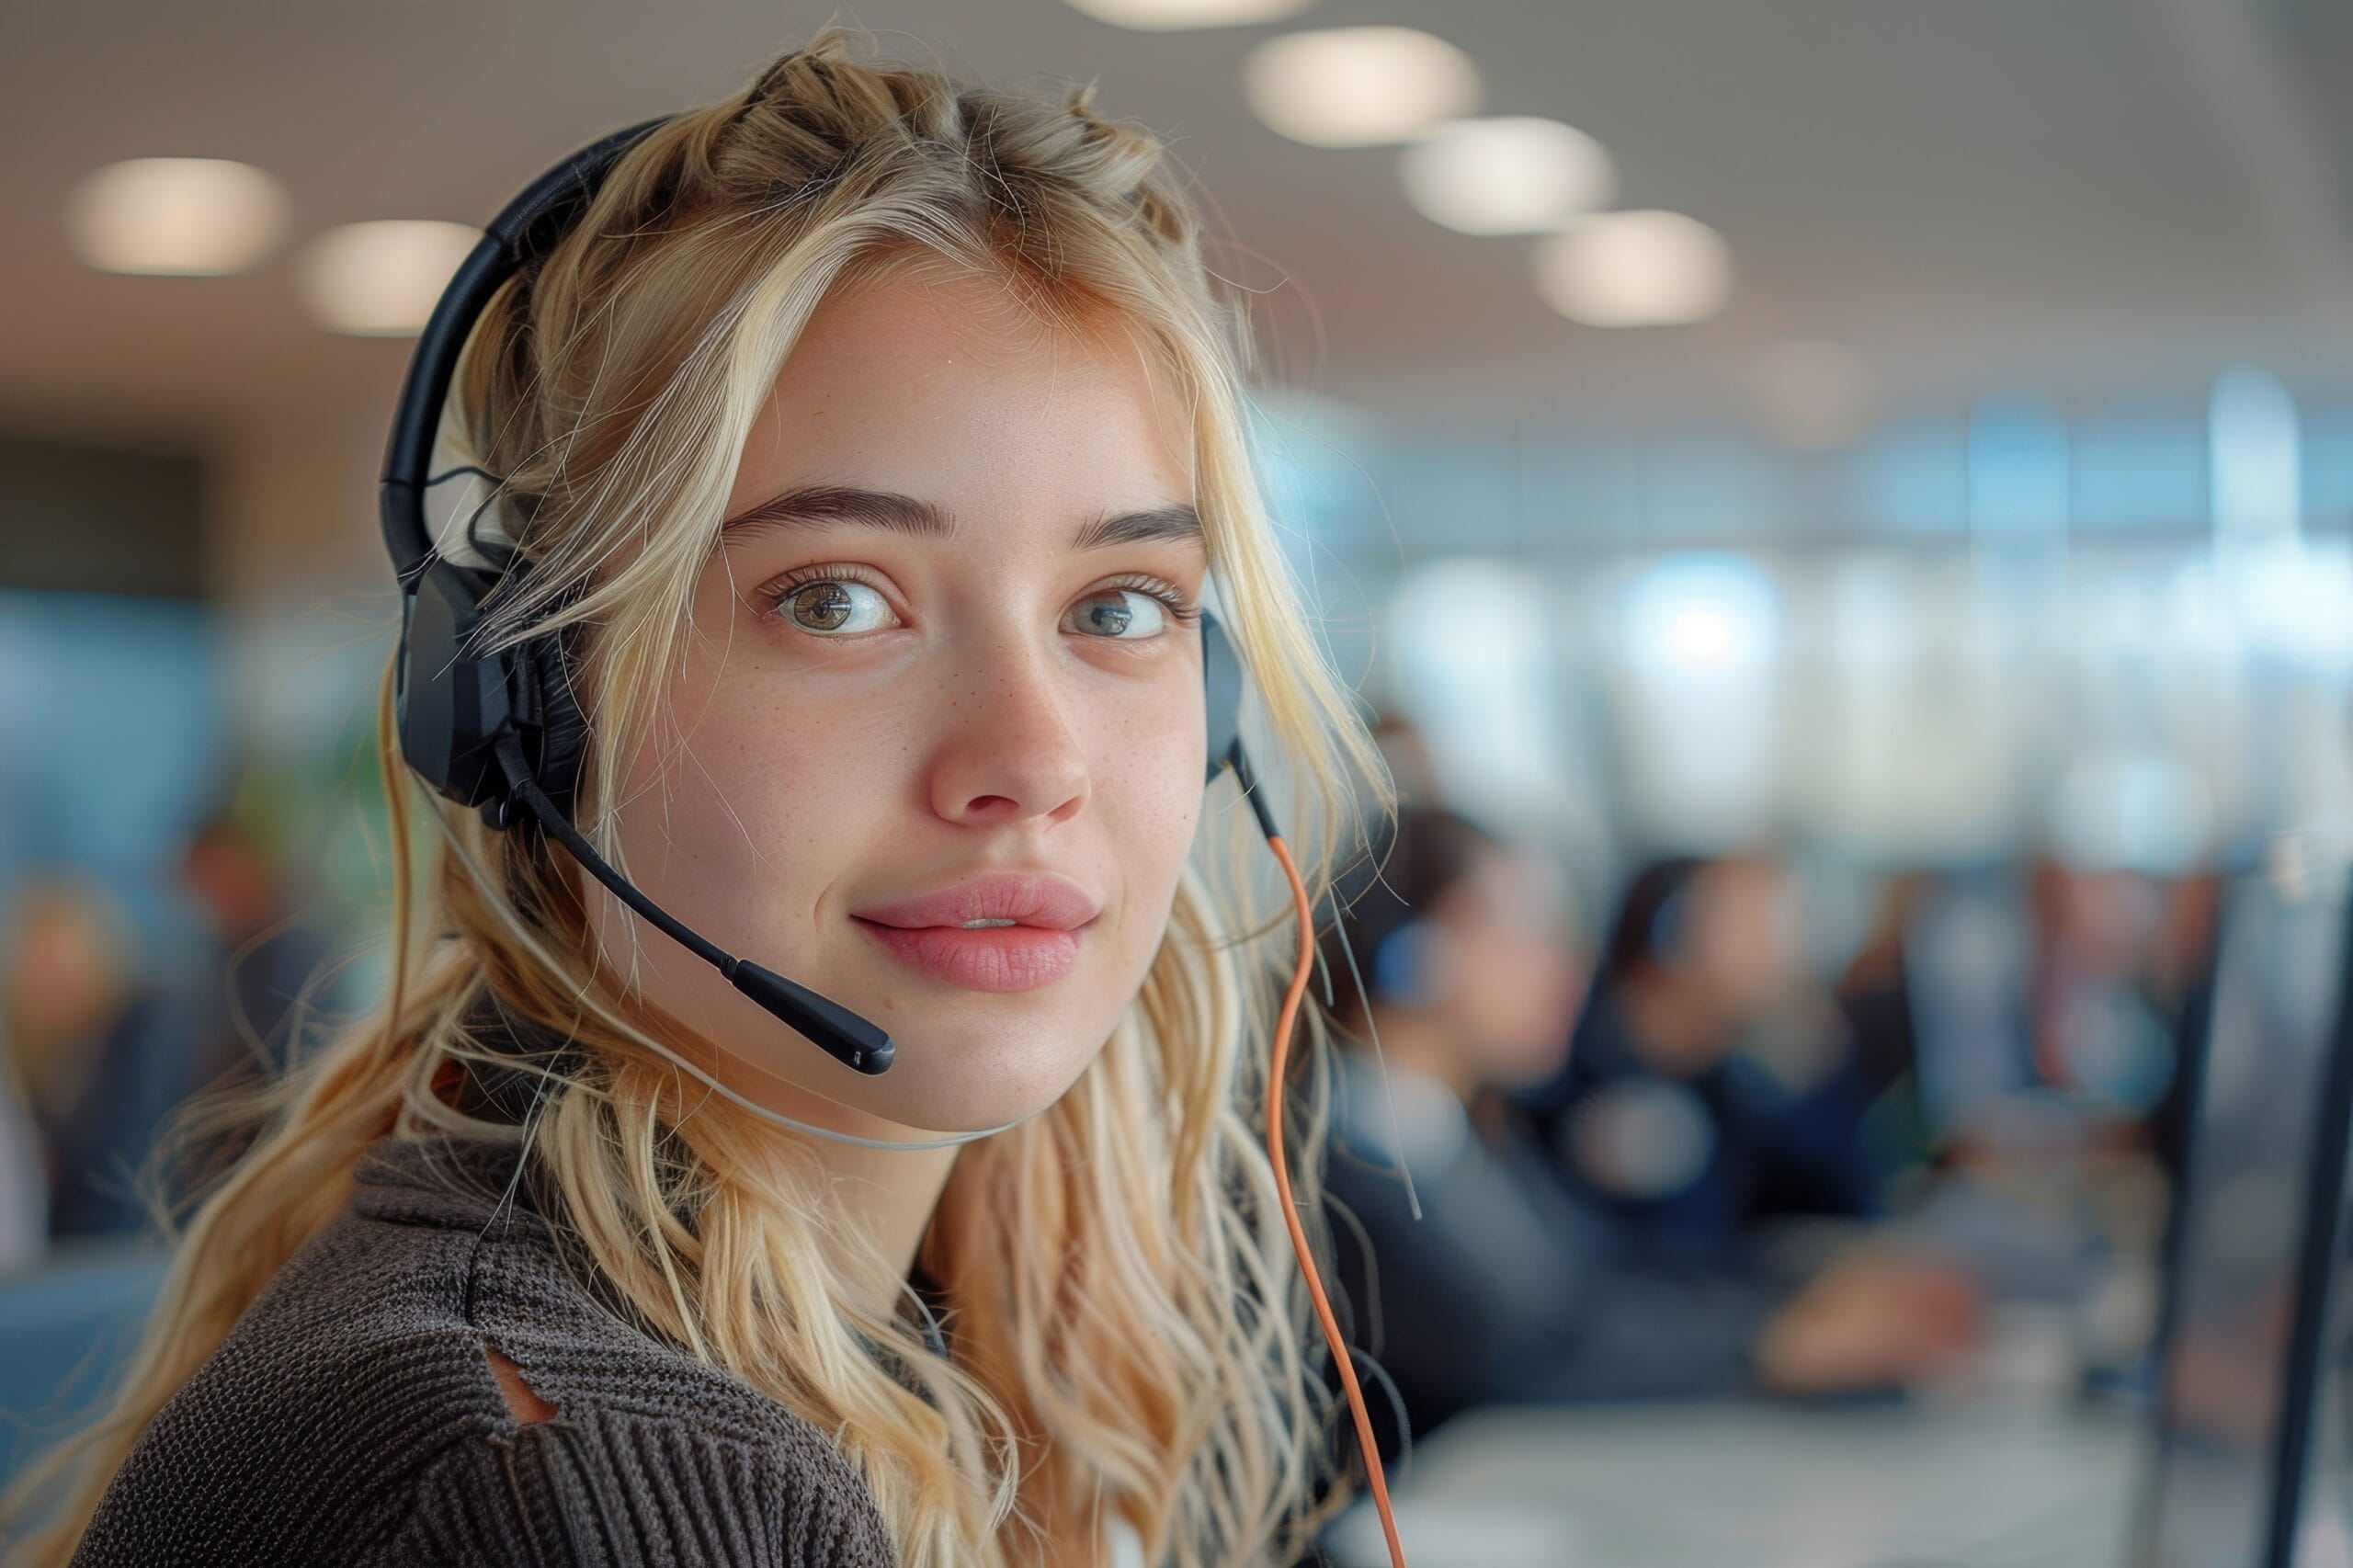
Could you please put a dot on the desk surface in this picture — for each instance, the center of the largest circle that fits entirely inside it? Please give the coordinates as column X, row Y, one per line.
column 1761, row 1486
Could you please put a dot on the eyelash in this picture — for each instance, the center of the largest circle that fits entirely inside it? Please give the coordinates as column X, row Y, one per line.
column 1172, row 599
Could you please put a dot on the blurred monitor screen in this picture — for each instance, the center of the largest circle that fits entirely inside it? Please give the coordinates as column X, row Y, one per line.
column 2239, row 1358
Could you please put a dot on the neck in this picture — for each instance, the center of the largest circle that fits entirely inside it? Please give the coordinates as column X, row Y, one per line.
column 892, row 1193
column 888, row 1193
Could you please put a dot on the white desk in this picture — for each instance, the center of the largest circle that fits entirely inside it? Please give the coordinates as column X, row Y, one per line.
column 1761, row 1486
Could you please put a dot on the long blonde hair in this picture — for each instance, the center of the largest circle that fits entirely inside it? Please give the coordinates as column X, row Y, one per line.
column 1131, row 1328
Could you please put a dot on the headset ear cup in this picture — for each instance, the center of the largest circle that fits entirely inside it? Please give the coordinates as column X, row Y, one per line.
column 448, row 701
column 1220, row 694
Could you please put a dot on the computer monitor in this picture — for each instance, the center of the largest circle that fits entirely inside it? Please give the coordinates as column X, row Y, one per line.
column 2260, row 1229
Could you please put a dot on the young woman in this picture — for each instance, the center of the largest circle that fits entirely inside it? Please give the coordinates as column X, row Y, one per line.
column 875, row 440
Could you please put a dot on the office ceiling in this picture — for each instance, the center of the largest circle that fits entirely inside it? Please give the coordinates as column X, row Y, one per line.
column 2087, row 200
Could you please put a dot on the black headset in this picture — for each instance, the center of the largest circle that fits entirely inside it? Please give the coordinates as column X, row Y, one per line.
column 502, row 730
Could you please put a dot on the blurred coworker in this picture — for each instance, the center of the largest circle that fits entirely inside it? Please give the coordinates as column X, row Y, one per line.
column 2119, row 956
column 265, row 955
column 1659, row 1114
column 94, row 1045
column 1512, row 1287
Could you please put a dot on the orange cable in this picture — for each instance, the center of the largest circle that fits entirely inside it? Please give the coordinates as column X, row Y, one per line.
column 1289, row 1016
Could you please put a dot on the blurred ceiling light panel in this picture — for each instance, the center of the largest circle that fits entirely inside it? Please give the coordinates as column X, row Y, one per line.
column 178, row 217
column 1174, row 15
column 1641, row 268
column 1699, row 638
column 1690, row 615
column 1506, row 175
column 380, row 278
column 1813, row 394
column 1359, row 87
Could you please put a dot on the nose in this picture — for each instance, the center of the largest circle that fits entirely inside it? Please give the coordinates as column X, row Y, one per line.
column 1009, row 753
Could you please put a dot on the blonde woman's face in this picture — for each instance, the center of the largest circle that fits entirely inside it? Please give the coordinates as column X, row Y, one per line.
column 943, row 642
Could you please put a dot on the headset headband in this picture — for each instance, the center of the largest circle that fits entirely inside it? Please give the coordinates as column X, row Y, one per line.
column 525, row 231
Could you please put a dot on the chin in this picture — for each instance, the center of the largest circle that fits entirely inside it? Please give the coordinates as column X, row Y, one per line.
column 950, row 1074
column 962, row 1086
column 966, row 1061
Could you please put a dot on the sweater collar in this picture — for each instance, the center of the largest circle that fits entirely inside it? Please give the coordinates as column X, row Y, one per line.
column 450, row 1180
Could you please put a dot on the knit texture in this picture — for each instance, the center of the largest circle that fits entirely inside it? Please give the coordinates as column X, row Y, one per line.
column 351, row 1416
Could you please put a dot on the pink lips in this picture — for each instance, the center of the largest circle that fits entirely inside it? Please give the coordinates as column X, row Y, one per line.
column 926, row 932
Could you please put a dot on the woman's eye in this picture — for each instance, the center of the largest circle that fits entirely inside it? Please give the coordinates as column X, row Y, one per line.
column 834, row 606
column 1128, row 614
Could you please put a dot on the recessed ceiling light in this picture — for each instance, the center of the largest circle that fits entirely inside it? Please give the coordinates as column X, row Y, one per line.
column 381, row 279
column 1359, row 87
column 185, row 217
column 1643, row 268
column 1508, row 174
column 1171, row 15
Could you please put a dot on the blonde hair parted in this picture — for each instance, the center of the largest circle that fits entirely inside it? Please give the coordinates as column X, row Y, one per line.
column 1130, row 1331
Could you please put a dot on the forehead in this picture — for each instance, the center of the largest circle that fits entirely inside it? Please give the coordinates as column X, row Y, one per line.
column 949, row 387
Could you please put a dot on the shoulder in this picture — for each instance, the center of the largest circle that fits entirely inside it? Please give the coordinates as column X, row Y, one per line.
column 602, row 1486
column 354, row 1401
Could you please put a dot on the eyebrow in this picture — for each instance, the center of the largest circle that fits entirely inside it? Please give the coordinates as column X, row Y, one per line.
column 840, row 505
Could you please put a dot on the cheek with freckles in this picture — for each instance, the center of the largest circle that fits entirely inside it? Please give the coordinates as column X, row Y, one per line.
column 733, row 819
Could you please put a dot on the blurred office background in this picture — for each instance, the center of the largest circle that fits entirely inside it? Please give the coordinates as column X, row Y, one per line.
column 1906, row 447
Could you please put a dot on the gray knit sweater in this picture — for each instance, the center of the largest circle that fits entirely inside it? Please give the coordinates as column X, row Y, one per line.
column 351, row 1416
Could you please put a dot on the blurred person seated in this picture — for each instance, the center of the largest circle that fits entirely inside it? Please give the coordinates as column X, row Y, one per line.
column 1667, row 1111
column 264, row 959
column 1513, row 1286
column 98, row 1050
